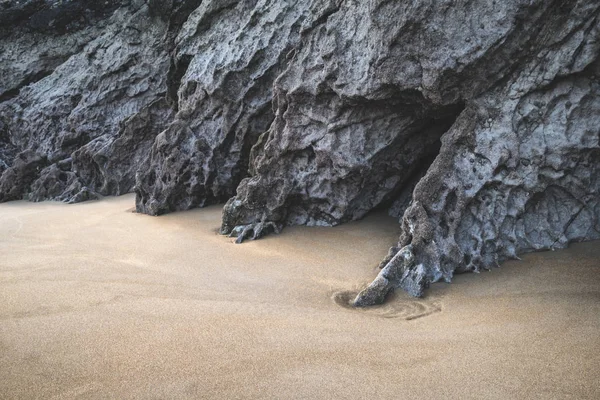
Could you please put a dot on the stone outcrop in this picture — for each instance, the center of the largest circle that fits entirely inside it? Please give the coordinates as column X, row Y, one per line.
column 84, row 88
column 475, row 123
column 227, row 56
column 510, row 89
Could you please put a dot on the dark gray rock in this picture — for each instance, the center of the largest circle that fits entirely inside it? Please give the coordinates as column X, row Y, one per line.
column 227, row 56
column 370, row 94
column 23, row 170
column 513, row 175
column 401, row 271
column 475, row 123
column 7, row 151
column 92, row 92
column 39, row 35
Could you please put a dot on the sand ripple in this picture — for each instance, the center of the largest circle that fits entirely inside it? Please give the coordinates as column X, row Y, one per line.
column 396, row 307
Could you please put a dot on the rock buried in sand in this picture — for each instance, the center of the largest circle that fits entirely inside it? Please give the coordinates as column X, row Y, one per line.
column 400, row 271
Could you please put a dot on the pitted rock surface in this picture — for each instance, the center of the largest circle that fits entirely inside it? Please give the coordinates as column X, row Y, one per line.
column 510, row 89
column 475, row 123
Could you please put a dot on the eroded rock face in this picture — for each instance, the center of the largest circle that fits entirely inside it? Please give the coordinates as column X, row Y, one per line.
column 85, row 89
column 476, row 124
column 39, row 35
column 517, row 170
column 511, row 177
column 228, row 54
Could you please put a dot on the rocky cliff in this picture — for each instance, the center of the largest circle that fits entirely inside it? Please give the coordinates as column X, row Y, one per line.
column 476, row 123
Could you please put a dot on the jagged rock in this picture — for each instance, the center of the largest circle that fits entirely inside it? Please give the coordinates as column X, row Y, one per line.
column 227, row 56
column 99, row 100
column 21, row 174
column 513, row 176
column 475, row 123
column 39, row 35
column 7, row 151
column 108, row 163
column 400, row 271
column 517, row 170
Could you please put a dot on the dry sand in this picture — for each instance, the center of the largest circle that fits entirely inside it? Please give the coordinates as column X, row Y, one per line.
column 100, row 302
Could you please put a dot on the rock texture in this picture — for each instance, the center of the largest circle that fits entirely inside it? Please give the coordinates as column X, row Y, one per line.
column 509, row 88
column 227, row 56
column 84, row 87
column 475, row 123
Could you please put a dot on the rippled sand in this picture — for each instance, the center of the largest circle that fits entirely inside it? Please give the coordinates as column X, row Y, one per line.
column 99, row 302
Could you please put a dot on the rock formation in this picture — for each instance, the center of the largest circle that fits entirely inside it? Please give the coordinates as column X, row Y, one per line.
column 516, row 84
column 227, row 56
column 477, row 124
column 83, row 84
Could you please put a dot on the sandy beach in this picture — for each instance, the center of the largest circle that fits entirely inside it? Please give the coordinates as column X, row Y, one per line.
column 97, row 301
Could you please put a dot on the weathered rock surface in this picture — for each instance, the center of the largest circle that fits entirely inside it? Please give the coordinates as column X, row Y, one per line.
column 85, row 88
column 370, row 93
column 227, row 55
column 476, row 123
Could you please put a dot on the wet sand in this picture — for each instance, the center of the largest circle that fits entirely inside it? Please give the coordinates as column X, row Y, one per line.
column 99, row 302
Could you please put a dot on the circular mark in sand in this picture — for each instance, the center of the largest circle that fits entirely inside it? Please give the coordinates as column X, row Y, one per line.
column 394, row 306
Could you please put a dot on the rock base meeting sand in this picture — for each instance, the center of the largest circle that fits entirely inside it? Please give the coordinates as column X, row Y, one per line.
column 97, row 301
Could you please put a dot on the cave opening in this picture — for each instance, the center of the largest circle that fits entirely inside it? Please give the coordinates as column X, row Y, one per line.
column 438, row 123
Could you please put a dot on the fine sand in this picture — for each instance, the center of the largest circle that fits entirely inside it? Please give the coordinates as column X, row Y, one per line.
column 99, row 302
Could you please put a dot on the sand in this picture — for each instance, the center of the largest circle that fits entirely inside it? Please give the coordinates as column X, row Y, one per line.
column 99, row 302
